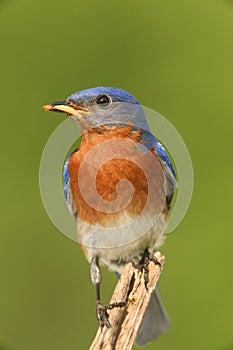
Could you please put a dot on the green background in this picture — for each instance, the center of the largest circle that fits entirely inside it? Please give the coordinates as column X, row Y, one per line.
column 175, row 57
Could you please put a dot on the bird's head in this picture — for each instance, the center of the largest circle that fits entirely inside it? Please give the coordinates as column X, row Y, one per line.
column 92, row 108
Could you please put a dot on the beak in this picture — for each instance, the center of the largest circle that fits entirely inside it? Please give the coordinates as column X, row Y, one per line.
column 68, row 107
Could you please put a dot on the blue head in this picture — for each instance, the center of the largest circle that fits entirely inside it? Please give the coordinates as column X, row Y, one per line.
column 102, row 106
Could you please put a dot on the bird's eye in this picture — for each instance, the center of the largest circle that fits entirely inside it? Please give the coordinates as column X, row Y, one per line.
column 103, row 101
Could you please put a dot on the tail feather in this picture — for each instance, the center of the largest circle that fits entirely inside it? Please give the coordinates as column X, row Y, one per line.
column 155, row 321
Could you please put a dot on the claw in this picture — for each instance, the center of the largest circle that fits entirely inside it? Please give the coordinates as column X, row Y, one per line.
column 144, row 264
column 102, row 315
column 117, row 304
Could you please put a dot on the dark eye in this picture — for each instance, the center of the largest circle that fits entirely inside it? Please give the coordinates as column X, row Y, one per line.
column 103, row 101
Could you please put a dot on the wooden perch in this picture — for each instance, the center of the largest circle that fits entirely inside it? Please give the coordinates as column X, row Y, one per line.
column 126, row 321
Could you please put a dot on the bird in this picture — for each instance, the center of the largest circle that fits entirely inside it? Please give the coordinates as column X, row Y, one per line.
column 119, row 185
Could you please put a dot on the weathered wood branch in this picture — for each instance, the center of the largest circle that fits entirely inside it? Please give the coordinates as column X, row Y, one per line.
column 126, row 321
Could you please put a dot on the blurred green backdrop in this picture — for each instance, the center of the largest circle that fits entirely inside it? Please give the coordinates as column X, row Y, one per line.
column 175, row 57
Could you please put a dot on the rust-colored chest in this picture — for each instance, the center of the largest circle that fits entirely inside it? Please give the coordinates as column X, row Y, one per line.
column 109, row 176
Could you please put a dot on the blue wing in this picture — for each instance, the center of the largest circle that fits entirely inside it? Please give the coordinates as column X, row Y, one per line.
column 152, row 143
column 67, row 189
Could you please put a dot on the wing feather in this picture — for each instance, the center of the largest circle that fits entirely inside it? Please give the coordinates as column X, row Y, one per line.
column 153, row 144
column 67, row 189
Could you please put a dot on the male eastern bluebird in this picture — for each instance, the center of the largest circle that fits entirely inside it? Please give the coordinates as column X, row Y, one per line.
column 119, row 185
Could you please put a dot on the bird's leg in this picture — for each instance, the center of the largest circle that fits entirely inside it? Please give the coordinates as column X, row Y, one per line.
column 101, row 309
column 144, row 264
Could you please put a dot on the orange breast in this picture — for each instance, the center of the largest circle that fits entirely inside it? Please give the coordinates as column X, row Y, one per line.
column 102, row 167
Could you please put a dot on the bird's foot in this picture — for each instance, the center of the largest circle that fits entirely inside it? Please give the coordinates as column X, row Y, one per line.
column 143, row 265
column 102, row 313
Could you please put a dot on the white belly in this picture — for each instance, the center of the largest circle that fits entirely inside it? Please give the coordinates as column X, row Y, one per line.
column 111, row 252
